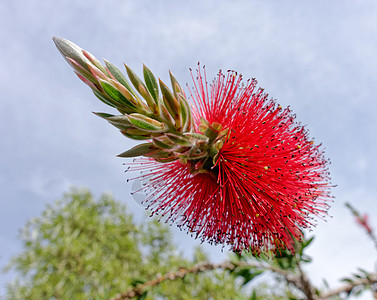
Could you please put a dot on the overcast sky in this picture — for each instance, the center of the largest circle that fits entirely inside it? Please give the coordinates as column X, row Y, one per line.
column 319, row 57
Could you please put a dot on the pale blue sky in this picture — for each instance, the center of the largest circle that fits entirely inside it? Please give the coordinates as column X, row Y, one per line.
column 319, row 57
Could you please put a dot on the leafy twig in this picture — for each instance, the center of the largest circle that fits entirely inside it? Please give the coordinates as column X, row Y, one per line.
column 362, row 220
column 347, row 288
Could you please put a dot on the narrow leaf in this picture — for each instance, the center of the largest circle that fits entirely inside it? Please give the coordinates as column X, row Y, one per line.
column 117, row 95
column 166, row 116
column 81, row 70
column 136, row 137
column 122, row 120
column 136, row 131
column 118, row 75
column 180, row 140
column 103, row 98
column 187, row 121
column 151, row 83
column 126, row 93
column 163, row 143
column 135, row 80
column 94, row 61
column 170, row 102
column 103, row 115
column 146, row 123
column 177, row 89
column 139, row 150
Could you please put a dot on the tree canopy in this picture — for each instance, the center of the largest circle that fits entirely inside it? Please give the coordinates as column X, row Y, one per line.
column 82, row 248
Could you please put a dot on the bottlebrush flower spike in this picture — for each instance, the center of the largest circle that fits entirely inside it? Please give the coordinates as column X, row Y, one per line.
column 233, row 168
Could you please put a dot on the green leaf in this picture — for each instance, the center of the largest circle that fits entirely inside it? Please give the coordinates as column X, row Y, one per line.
column 185, row 114
column 248, row 274
column 136, row 131
column 103, row 115
column 139, row 150
column 146, row 123
column 80, row 70
column 117, row 95
column 253, row 295
column 103, row 98
column 163, row 143
column 118, row 75
column 136, row 137
column 180, row 140
column 177, row 89
column 151, row 83
column 121, row 120
column 170, row 102
column 141, row 88
column 94, row 61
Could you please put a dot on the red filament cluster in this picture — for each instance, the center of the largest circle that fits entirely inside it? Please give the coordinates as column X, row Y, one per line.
column 269, row 180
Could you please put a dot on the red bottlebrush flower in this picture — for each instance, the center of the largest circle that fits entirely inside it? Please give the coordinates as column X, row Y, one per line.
column 235, row 169
column 265, row 184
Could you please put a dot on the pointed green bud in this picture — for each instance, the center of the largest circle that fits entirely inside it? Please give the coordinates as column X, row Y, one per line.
column 118, row 75
column 105, row 116
column 120, row 119
column 177, row 89
column 121, row 122
column 71, row 50
column 141, row 88
column 185, row 114
column 151, row 83
column 148, row 124
column 139, row 150
column 148, row 98
column 170, row 102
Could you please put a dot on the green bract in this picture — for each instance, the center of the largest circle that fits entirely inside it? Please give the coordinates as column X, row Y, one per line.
column 164, row 119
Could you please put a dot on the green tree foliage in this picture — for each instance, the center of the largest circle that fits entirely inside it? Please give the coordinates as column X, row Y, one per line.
column 80, row 248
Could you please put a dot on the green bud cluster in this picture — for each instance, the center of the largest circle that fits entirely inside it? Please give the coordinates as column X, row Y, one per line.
column 165, row 119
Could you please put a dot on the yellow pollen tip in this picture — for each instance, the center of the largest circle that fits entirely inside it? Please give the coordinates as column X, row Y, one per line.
column 298, row 147
column 257, row 215
column 266, row 168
